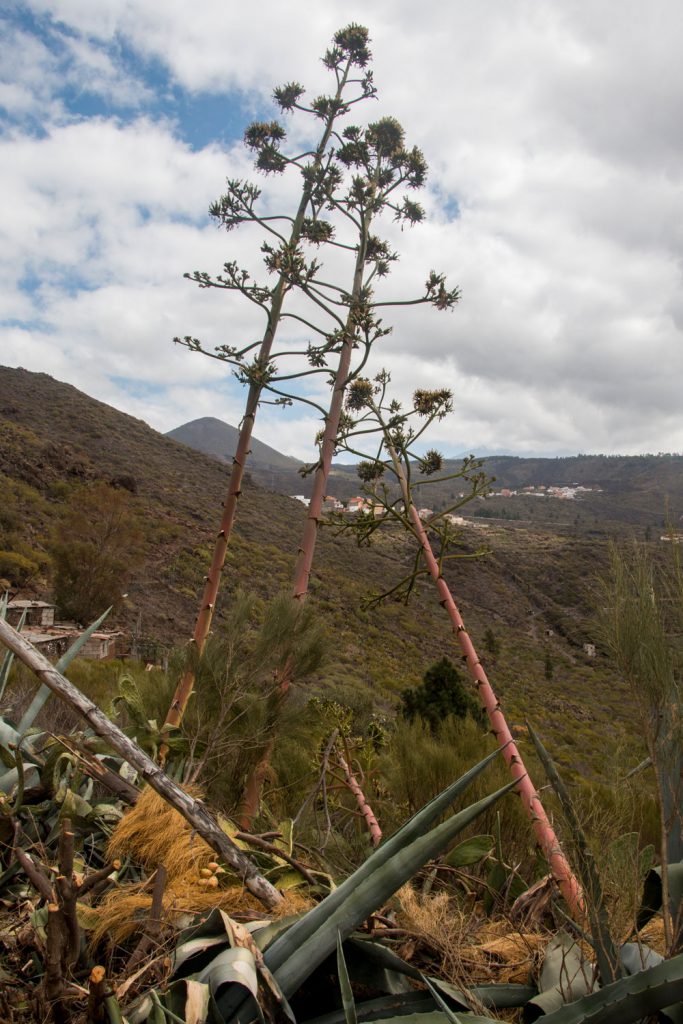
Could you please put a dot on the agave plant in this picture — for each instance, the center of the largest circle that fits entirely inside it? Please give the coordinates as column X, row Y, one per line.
column 240, row 975
column 14, row 739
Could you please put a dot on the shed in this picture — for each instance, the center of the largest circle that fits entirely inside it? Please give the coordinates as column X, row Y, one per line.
column 102, row 645
column 52, row 643
column 38, row 613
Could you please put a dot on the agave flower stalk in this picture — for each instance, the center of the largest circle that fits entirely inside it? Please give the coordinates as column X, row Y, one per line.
column 382, row 164
column 350, row 50
column 528, row 793
column 363, row 805
column 545, row 834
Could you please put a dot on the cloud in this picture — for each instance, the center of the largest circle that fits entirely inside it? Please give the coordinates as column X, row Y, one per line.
column 554, row 201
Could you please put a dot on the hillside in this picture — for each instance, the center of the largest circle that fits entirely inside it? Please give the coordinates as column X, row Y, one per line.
column 631, row 494
column 215, row 437
column 53, row 438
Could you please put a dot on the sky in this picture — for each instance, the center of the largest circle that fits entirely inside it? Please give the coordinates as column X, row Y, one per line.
column 554, row 137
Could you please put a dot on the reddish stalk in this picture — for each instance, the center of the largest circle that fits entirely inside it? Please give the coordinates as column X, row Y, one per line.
column 363, row 806
column 251, row 795
column 545, row 834
column 210, row 594
column 304, row 562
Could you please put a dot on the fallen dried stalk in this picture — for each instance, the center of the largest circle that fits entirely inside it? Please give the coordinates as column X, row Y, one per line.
column 192, row 810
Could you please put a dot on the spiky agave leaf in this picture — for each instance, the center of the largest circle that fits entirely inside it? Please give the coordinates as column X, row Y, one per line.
column 297, row 959
column 626, row 1000
column 44, row 692
column 416, row 826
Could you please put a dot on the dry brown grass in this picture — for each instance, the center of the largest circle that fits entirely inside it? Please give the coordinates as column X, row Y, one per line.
column 152, row 833
column 470, row 950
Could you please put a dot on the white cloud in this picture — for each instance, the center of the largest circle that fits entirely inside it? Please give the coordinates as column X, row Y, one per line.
column 555, row 129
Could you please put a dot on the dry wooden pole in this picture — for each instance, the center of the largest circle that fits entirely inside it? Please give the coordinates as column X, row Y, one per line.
column 192, row 810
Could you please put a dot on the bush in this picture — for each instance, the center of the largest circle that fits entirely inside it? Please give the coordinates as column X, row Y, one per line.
column 17, row 568
column 441, row 693
column 96, row 546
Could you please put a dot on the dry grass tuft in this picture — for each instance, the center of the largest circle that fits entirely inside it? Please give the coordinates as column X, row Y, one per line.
column 470, row 951
column 152, row 833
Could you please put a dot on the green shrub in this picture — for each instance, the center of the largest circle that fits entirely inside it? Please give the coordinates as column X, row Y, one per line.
column 17, row 568
column 441, row 693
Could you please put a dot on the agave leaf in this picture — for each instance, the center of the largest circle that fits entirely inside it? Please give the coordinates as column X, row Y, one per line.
column 265, row 931
column 368, row 893
column 416, row 826
column 196, row 1002
column 470, row 852
column 188, row 1000
column 193, row 947
column 348, row 1002
column 386, row 1006
column 627, row 999
column 233, row 967
column 285, row 878
column 9, row 655
column 450, row 1015
column 429, row 1016
column 652, row 895
column 370, row 951
column 565, row 976
column 638, row 957
column 13, row 778
column 44, row 692
column 287, row 841
column 8, row 734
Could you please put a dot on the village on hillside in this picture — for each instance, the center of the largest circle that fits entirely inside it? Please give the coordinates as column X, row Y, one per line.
column 359, row 505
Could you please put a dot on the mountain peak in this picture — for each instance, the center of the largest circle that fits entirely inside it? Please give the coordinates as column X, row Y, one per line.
column 219, row 439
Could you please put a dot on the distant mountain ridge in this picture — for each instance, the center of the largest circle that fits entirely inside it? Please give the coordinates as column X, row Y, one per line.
column 637, row 488
column 218, row 438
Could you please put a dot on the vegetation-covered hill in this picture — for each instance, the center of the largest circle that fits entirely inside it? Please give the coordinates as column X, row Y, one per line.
column 640, row 493
column 54, row 438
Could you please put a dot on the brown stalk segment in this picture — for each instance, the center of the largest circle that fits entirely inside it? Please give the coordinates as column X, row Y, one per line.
column 261, row 844
column 66, row 890
column 97, row 988
column 545, row 835
column 153, row 926
column 124, row 790
column 38, row 880
column 54, row 976
column 192, row 810
column 210, row 594
column 249, row 803
column 304, row 563
column 95, row 877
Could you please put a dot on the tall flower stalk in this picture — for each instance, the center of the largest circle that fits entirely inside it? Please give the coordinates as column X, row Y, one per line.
column 397, row 438
column 350, row 51
column 380, row 164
